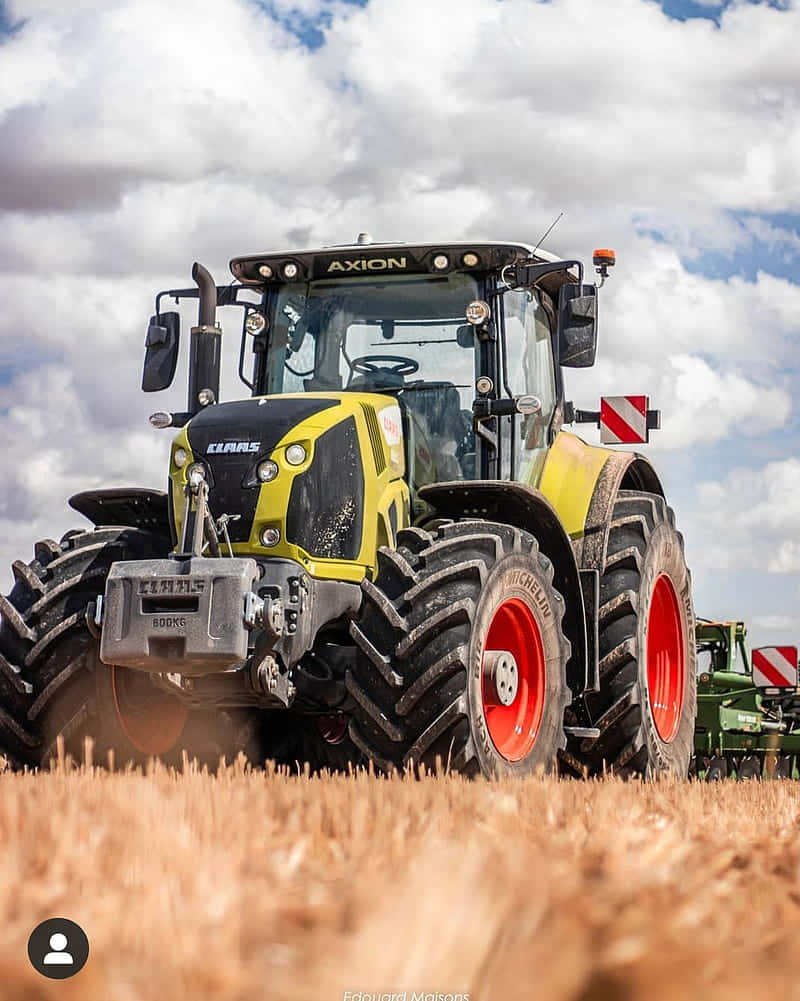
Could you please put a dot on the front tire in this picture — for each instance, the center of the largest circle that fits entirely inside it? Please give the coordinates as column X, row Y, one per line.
column 52, row 683
column 461, row 654
column 646, row 706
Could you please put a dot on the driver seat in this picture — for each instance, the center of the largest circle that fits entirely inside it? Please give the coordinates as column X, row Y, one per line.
column 439, row 406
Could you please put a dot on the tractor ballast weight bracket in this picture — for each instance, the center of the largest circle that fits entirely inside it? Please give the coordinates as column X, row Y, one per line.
column 204, row 615
column 177, row 615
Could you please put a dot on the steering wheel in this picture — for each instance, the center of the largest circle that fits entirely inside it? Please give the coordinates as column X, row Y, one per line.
column 369, row 365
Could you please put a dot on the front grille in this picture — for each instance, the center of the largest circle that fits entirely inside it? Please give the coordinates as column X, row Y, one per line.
column 375, row 437
column 326, row 505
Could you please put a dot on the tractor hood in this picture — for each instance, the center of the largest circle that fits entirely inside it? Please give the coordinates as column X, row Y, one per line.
column 232, row 438
column 315, row 478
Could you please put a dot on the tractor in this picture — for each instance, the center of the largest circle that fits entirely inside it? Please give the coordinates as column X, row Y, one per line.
column 748, row 706
column 389, row 553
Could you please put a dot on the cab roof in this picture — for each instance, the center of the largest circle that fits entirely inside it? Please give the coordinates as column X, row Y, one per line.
column 360, row 259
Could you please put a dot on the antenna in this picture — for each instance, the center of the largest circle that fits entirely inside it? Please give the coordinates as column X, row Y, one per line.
column 547, row 233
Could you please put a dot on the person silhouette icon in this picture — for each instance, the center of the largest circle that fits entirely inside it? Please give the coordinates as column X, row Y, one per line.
column 58, row 956
column 58, row 948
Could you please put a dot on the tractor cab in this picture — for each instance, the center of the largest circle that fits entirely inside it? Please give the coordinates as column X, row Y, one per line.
column 468, row 339
column 453, row 332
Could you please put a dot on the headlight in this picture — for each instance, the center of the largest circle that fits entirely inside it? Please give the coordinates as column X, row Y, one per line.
column 179, row 457
column 266, row 471
column 254, row 323
column 478, row 312
column 295, row 455
column 270, row 537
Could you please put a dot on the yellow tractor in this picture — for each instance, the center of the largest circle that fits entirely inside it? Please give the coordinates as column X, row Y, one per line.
column 390, row 552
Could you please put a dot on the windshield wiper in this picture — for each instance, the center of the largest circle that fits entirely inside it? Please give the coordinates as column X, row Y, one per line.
column 443, row 340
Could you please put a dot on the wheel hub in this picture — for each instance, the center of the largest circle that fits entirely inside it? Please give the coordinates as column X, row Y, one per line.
column 500, row 670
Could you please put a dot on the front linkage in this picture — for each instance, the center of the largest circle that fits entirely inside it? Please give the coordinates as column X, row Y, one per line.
column 237, row 626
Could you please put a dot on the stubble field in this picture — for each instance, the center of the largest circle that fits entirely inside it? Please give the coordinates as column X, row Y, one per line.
column 257, row 886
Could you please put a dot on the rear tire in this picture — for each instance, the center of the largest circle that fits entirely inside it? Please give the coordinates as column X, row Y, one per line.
column 423, row 686
column 646, row 706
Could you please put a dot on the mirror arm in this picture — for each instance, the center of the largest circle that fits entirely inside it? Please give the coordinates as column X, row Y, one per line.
column 226, row 295
column 528, row 275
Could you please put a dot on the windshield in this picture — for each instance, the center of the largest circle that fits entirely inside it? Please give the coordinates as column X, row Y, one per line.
column 378, row 335
column 401, row 335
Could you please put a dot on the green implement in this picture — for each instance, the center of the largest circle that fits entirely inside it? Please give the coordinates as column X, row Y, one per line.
column 748, row 706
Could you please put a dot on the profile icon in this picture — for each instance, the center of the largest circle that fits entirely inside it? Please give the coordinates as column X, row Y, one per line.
column 58, row 948
column 58, row 956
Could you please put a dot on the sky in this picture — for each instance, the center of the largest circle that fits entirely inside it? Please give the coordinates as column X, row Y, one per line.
column 137, row 137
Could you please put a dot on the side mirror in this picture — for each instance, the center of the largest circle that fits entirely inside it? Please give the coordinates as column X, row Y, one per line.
column 161, row 352
column 775, row 667
column 577, row 325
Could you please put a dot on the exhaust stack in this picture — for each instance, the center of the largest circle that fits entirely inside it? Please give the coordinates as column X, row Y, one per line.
column 206, row 345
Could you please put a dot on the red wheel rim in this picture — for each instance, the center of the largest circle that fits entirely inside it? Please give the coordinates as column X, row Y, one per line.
column 514, row 728
column 666, row 661
column 151, row 720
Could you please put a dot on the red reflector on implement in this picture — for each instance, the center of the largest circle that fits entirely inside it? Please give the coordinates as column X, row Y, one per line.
column 775, row 667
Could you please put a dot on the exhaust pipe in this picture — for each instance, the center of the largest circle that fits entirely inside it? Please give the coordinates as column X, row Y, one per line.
column 206, row 345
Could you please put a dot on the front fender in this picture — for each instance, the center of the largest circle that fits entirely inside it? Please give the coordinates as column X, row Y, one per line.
column 132, row 507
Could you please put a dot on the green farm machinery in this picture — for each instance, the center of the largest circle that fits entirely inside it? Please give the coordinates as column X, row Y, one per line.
column 748, row 706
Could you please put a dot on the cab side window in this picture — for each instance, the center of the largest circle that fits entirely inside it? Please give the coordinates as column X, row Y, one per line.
column 529, row 348
column 529, row 360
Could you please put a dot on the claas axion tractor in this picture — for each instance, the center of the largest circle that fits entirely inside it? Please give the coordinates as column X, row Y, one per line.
column 391, row 552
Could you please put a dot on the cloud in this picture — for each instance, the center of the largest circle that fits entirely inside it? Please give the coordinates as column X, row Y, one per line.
column 759, row 511
column 787, row 558
column 782, row 622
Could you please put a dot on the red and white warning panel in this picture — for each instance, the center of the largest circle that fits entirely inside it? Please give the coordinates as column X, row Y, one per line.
column 775, row 667
column 623, row 420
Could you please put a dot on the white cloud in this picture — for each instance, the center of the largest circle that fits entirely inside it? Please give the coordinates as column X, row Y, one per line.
column 787, row 558
column 754, row 516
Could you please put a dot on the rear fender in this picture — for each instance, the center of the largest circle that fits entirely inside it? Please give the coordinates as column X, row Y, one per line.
column 582, row 482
